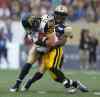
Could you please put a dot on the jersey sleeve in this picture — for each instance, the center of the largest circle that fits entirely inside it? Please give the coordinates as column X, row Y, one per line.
column 49, row 27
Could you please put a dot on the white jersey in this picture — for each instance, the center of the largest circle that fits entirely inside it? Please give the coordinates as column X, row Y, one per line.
column 44, row 20
column 43, row 25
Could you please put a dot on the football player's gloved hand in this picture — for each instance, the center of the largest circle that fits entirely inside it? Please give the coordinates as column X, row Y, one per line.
column 68, row 32
column 41, row 42
column 41, row 45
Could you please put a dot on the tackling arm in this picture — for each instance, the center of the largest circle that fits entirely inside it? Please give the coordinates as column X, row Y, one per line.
column 62, row 39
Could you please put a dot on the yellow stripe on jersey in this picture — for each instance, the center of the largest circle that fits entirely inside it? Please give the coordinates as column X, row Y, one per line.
column 60, row 57
column 55, row 58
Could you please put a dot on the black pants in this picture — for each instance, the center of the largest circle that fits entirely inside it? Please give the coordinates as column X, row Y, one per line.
column 3, row 53
column 92, row 57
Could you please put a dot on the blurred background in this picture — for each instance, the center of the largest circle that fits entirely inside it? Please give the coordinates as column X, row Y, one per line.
column 84, row 17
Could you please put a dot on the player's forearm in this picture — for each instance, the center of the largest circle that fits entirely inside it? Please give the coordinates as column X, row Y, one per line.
column 60, row 42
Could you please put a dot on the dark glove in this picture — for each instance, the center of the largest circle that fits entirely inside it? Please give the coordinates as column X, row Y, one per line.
column 40, row 42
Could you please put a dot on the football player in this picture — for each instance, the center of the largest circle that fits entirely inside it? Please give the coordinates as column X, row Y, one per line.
column 52, row 60
column 33, row 25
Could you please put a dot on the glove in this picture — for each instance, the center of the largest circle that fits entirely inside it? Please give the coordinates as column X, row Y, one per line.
column 41, row 42
column 68, row 32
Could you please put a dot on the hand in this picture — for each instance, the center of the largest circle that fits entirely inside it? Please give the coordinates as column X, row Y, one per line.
column 28, row 39
column 68, row 32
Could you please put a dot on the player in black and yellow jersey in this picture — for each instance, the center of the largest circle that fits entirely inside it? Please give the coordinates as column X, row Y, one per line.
column 53, row 60
column 48, row 49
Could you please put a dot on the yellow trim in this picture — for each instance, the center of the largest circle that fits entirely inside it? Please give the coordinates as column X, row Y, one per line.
column 60, row 56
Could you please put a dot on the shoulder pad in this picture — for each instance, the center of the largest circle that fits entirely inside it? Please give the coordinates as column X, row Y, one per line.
column 49, row 27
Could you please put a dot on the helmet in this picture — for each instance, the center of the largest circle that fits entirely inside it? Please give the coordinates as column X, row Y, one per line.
column 36, row 23
column 61, row 9
column 60, row 13
column 31, row 22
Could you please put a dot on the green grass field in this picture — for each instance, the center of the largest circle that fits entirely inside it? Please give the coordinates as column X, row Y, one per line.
column 48, row 88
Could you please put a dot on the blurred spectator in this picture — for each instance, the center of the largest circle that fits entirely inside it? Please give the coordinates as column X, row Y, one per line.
column 17, row 31
column 4, row 11
column 35, row 3
column 3, row 48
column 79, row 12
column 25, row 10
column 56, row 2
column 15, row 8
column 6, row 2
column 98, row 9
column 46, row 7
column 35, row 7
column 79, row 3
column 90, row 15
column 84, row 46
column 67, row 2
column 8, row 26
column 93, row 43
column 3, row 25
column 94, row 5
column 71, row 14
column 26, row 1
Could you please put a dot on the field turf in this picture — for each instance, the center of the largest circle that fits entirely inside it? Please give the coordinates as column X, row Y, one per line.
column 48, row 88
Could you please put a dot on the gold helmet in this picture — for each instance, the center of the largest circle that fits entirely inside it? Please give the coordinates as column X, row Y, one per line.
column 61, row 9
column 60, row 13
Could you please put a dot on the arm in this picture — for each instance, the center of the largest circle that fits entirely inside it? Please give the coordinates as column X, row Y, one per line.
column 63, row 38
column 60, row 42
column 53, row 42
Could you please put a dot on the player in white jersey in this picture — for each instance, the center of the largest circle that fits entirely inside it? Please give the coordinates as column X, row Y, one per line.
column 43, row 26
